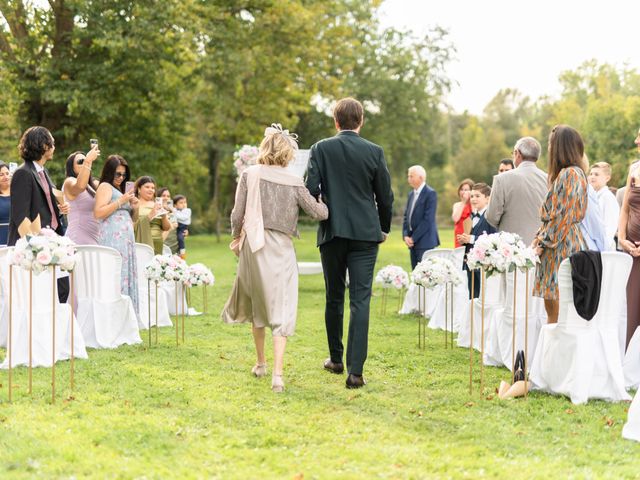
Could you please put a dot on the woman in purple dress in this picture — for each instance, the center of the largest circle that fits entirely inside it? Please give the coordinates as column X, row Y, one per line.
column 80, row 191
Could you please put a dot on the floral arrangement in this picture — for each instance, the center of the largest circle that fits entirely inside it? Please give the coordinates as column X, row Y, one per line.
column 392, row 276
column 37, row 252
column 199, row 274
column 500, row 252
column 166, row 268
column 244, row 157
column 435, row 271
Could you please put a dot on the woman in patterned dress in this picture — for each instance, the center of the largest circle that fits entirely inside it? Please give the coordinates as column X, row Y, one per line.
column 562, row 211
column 114, row 210
column 629, row 240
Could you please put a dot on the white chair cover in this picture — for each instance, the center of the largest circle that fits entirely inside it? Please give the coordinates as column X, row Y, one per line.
column 309, row 268
column 410, row 303
column 42, row 300
column 166, row 250
column 107, row 318
column 493, row 302
column 459, row 297
column 631, row 364
column 498, row 349
column 144, row 255
column 582, row 359
column 631, row 429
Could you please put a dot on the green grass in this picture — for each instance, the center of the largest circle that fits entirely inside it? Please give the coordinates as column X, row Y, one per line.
column 196, row 412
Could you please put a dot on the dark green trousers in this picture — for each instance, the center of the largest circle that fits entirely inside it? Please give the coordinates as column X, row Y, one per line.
column 358, row 258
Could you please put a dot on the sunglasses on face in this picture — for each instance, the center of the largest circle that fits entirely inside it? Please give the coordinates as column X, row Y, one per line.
column 120, row 175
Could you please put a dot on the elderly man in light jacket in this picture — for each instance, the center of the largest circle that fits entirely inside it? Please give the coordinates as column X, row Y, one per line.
column 517, row 195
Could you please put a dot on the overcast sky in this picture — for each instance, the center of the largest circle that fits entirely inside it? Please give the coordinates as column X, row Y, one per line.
column 522, row 44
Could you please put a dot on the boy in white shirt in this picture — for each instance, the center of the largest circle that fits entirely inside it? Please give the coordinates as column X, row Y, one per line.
column 599, row 176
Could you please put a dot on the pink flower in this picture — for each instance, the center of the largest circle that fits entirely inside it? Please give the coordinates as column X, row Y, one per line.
column 44, row 258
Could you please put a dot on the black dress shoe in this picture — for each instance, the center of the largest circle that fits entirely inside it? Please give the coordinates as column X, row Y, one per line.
column 333, row 367
column 355, row 381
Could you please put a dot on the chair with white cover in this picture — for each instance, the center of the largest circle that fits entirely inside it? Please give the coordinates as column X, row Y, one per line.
column 144, row 255
column 631, row 364
column 166, row 250
column 43, row 299
column 493, row 302
column 582, row 359
column 631, row 429
column 169, row 289
column 411, row 301
column 106, row 316
column 437, row 307
column 499, row 341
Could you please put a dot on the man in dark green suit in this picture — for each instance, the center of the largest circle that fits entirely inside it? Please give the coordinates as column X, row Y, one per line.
column 352, row 176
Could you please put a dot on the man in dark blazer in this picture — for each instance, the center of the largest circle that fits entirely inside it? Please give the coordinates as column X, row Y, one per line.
column 419, row 227
column 32, row 190
column 351, row 175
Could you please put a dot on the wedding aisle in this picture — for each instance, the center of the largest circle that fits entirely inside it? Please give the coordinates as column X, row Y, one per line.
column 195, row 410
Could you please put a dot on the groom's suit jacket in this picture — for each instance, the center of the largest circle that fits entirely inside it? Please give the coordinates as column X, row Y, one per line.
column 28, row 200
column 352, row 176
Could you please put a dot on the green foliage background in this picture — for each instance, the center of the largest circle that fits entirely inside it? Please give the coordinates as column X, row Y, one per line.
column 176, row 86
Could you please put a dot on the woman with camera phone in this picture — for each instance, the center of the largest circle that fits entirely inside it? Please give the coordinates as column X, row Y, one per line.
column 152, row 218
column 80, row 192
column 114, row 209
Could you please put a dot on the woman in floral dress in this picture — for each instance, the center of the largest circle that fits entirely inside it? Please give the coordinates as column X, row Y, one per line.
column 564, row 208
column 114, row 210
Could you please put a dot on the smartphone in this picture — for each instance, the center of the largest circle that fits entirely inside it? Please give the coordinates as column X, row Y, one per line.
column 93, row 142
column 12, row 167
column 159, row 202
column 170, row 203
column 128, row 186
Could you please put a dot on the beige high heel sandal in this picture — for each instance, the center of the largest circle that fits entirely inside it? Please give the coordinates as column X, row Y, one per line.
column 277, row 385
column 259, row 370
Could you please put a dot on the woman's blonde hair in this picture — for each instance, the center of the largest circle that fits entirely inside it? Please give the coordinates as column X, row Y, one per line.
column 276, row 149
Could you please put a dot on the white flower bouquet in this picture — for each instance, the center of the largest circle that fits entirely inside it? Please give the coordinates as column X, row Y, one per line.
column 166, row 268
column 436, row 271
column 500, row 252
column 37, row 252
column 392, row 276
column 198, row 274
column 244, row 157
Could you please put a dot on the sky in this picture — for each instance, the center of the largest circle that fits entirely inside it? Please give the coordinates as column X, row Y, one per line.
column 521, row 44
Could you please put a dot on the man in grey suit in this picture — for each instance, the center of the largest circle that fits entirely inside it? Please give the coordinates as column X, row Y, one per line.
column 517, row 195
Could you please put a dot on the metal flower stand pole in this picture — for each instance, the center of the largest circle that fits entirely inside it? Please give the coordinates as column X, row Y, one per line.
column 53, row 334
column 513, row 334
column 471, row 333
column 10, row 328
column 422, row 319
column 482, row 286
column 71, row 301
column 182, row 299
column 177, row 319
column 383, row 303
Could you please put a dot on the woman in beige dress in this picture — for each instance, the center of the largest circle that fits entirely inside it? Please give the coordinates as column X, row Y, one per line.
column 263, row 222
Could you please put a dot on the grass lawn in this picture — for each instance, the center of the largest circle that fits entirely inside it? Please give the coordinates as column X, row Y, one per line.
column 196, row 412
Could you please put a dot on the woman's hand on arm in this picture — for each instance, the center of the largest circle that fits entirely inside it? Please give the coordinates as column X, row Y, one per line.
column 458, row 207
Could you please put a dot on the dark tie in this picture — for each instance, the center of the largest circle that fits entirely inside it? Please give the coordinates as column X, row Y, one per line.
column 475, row 215
column 47, row 192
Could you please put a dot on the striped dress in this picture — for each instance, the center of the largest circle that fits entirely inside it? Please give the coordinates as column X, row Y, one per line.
column 559, row 235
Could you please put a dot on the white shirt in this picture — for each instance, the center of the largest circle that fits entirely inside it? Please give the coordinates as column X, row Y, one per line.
column 474, row 222
column 416, row 194
column 610, row 213
column 39, row 168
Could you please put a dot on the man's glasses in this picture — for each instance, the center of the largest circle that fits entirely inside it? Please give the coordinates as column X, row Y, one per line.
column 120, row 175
